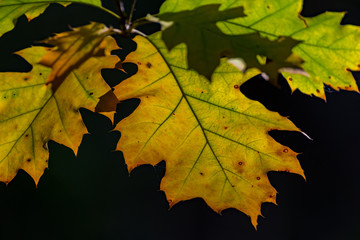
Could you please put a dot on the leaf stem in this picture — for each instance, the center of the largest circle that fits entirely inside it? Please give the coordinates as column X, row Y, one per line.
column 131, row 13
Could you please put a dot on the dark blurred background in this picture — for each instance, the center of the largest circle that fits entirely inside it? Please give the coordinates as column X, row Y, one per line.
column 92, row 196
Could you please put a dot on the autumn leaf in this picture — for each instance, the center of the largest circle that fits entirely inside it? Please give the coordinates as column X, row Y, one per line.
column 33, row 111
column 11, row 10
column 328, row 49
column 207, row 44
column 214, row 139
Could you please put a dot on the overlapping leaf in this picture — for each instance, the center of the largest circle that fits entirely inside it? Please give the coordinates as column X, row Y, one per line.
column 33, row 111
column 207, row 44
column 328, row 49
column 11, row 10
column 214, row 140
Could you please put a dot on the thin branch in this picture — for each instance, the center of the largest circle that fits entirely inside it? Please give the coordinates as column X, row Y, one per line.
column 131, row 12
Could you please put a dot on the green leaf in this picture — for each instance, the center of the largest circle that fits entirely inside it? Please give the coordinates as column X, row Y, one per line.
column 11, row 10
column 207, row 44
column 329, row 49
column 213, row 138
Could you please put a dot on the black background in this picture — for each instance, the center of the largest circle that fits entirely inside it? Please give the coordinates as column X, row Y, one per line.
column 92, row 196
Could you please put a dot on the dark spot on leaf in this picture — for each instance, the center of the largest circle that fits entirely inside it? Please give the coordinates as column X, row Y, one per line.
column 240, row 163
column 285, row 150
column 26, row 135
column 147, row 96
column 236, row 86
column 358, row 65
column 46, row 161
column 317, row 90
column 202, row 91
column 267, row 6
column 173, row 114
column 40, row 74
column 226, row 128
column 91, row 93
column 139, row 63
column 287, row 170
column 233, row 185
column 290, row 79
column 4, row 96
column 148, row 65
column 26, row 78
column 258, row 178
column 14, row 94
column 47, row 84
column 28, row 160
column 223, row 116
column 201, row 173
column 252, row 186
column 330, row 77
column 347, row 69
column 60, row 131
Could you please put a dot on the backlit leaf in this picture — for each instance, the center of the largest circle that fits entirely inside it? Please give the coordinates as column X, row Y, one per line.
column 214, row 139
column 329, row 49
column 207, row 43
column 31, row 113
column 11, row 10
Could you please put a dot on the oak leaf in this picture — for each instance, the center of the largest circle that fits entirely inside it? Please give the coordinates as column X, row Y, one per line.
column 214, row 140
column 11, row 10
column 33, row 111
column 207, row 43
column 327, row 50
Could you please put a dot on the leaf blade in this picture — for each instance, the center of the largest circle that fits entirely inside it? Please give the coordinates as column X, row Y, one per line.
column 31, row 113
column 214, row 140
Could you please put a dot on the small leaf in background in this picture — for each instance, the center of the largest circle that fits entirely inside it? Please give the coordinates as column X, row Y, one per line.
column 214, row 140
column 207, row 43
column 33, row 111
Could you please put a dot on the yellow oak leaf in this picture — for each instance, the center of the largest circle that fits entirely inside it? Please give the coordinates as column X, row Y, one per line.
column 33, row 111
column 214, row 139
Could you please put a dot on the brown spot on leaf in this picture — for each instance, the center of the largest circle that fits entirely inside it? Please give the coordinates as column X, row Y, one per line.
column 330, row 77
column 347, row 69
column 28, row 160
column 40, row 74
column 290, row 79
column 148, row 65
column 233, row 185
column 285, row 150
column 26, row 135
column 257, row 178
column 91, row 93
column 139, row 63
column 317, row 90
column 201, row 173
column 240, row 163
column 173, row 114
column 226, row 127
column 236, row 86
column 60, row 131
